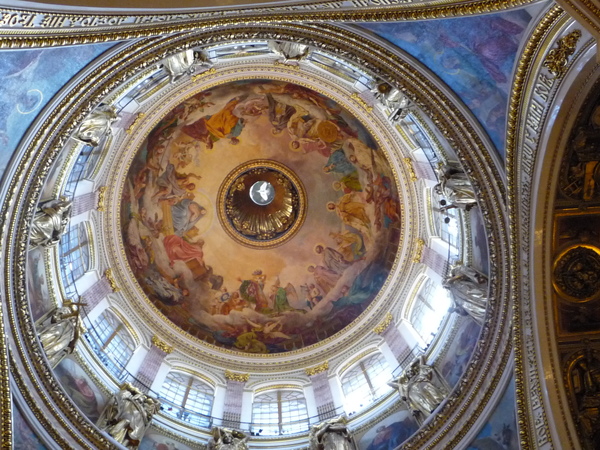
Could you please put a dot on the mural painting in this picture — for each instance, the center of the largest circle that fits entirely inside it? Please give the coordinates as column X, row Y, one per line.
column 389, row 433
column 30, row 78
column 500, row 431
column 153, row 440
column 475, row 56
column 80, row 387
column 37, row 289
column 243, row 297
column 24, row 438
column 454, row 362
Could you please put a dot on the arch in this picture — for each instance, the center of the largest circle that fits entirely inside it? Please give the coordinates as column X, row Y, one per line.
column 187, row 397
column 279, row 411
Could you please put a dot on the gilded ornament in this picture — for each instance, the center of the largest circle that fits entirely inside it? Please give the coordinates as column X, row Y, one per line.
column 576, row 275
column 206, row 73
column 384, row 324
column 135, row 122
column 102, row 198
column 111, row 280
column 411, row 169
column 362, row 103
column 161, row 345
column 557, row 58
column 233, row 376
column 419, row 250
column 317, row 369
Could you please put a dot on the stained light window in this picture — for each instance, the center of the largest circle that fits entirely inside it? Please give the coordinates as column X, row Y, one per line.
column 279, row 412
column 187, row 398
column 366, row 382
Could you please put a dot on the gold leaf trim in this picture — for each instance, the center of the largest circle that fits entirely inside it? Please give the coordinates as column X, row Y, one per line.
column 317, row 369
column 161, row 345
column 385, row 323
column 233, row 376
column 111, row 280
column 102, row 198
column 557, row 58
column 419, row 250
column 411, row 169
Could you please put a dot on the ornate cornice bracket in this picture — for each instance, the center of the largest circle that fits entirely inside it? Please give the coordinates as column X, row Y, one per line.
column 384, row 324
column 233, row 376
column 161, row 345
column 311, row 371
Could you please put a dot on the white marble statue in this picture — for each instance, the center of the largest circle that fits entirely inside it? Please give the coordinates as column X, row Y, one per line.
column 393, row 99
column 289, row 51
column 333, row 434
column 60, row 334
column 418, row 388
column 185, row 63
column 469, row 290
column 227, row 439
column 455, row 186
column 127, row 415
column 97, row 125
column 50, row 223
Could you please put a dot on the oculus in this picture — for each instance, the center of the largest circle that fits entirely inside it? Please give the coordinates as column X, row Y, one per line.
column 261, row 204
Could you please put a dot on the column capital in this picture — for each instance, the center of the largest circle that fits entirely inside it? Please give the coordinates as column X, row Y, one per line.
column 387, row 320
column 241, row 377
column 161, row 345
column 310, row 371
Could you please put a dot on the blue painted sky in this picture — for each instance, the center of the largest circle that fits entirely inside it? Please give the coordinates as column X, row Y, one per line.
column 28, row 80
column 500, row 431
column 475, row 56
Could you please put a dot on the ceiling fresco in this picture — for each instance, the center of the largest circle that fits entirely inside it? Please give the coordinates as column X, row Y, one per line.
column 475, row 56
column 218, row 270
column 30, row 78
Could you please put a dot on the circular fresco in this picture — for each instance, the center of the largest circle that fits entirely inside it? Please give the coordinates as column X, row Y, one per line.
column 341, row 201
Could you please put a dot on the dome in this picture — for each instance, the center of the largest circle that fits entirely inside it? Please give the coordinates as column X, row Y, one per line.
column 264, row 227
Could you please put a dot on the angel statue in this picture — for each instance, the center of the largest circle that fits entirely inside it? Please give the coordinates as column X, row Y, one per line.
column 127, row 415
column 289, row 51
column 60, row 334
column 393, row 99
column 455, row 186
column 227, row 439
column 469, row 290
column 185, row 63
column 332, row 434
column 50, row 223
column 97, row 125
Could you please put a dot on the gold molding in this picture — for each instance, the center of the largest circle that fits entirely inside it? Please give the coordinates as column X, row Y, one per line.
column 136, row 121
column 102, row 198
column 111, row 280
column 161, row 345
column 361, row 102
column 384, row 324
column 204, row 74
column 411, row 169
column 317, row 369
column 275, row 387
column 233, row 376
column 419, row 250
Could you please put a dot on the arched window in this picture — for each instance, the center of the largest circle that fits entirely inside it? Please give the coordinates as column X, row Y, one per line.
column 187, row 398
column 366, row 382
column 429, row 309
column 74, row 254
column 279, row 412
column 112, row 342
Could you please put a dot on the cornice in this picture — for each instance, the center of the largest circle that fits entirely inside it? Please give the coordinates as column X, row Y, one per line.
column 38, row 28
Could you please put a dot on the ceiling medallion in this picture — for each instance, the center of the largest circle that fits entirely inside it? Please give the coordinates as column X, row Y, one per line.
column 576, row 273
column 261, row 204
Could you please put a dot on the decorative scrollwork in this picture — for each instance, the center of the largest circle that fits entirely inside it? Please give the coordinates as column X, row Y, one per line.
column 556, row 61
